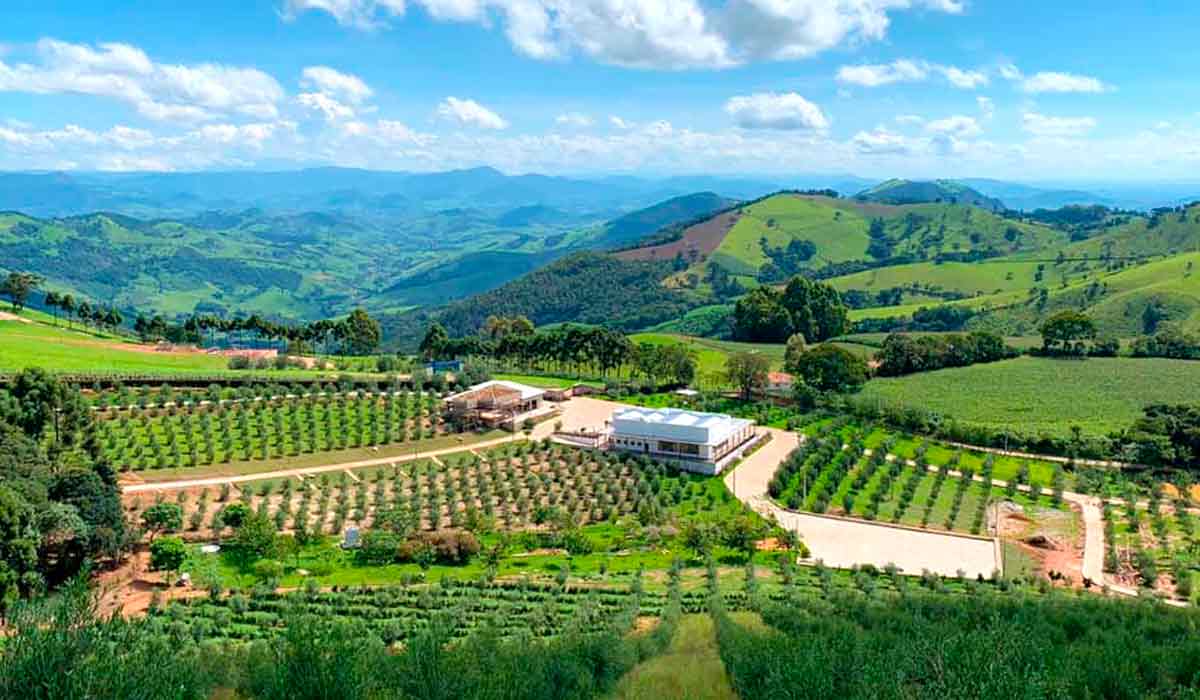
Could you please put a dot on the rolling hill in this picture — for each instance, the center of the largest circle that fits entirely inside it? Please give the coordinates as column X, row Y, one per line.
column 308, row 265
column 917, row 192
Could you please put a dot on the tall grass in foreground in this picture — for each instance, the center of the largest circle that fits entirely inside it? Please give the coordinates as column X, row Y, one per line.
column 851, row 645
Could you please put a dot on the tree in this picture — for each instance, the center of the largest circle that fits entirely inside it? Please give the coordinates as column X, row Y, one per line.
column 162, row 517
column 742, row 533
column 1066, row 331
column 698, row 536
column 796, row 346
column 167, row 554
column 434, row 341
column 830, row 368
column 18, row 547
column 52, row 302
column 747, row 371
column 360, row 333
column 234, row 514
column 256, row 536
column 18, row 286
column 760, row 317
column 816, row 309
column 67, row 303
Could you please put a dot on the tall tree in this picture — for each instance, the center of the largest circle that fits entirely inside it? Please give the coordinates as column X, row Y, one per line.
column 18, row 286
column 360, row 333
column 748, row 372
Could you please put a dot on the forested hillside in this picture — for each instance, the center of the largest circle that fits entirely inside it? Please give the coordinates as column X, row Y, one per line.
column 583, row 288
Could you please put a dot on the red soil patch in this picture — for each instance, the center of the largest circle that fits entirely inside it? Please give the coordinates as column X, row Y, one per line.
column 704, row 238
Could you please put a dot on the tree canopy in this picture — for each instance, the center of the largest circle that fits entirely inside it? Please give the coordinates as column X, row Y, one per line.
column 811, row 309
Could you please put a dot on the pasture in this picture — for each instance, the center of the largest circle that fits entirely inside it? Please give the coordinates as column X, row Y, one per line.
column 1035, row 395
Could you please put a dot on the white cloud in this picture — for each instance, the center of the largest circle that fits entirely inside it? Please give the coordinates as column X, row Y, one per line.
column 157, row 91
column 620, row 123
column 574, row 119
column 1008, row 71
column 910, row 119
column 1056, row 127
column 987, row 108
column 1062, row 82
column 907, row 70
column 868, row 75
column 325, row 105
column 363, row 14
column 966, row 79
column 958, row 126
column 343, row 86
column 769, row 110
column 880, row 141
column 470, row 113
column 1163, row 125
column 655, row 34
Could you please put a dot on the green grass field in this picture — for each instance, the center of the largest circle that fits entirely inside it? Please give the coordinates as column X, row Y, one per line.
column 838, row 234
column 37, row 345
column 1042, row 395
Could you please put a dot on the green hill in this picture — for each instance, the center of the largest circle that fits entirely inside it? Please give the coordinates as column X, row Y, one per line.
column 789, row 233
column 898, row 191
column 672, row 215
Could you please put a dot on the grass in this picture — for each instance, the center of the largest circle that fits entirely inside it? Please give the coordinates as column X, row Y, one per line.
column 690, row 669
column 1044, row 396
column 838, row 234
column 77, row 350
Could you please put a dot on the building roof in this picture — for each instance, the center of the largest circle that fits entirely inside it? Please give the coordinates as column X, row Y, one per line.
column 498, row 389
column 677, row 424
column 780, row 378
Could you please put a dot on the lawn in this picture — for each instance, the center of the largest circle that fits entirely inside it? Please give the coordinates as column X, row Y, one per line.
column 37, row 345
column 1044, row 396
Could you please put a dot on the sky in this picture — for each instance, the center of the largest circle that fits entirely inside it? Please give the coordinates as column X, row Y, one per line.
column 1062, row 91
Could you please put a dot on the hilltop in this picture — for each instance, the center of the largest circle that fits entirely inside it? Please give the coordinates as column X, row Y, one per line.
column 915, row 192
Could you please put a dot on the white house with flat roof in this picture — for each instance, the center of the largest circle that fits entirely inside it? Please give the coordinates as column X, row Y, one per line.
column 704, row 442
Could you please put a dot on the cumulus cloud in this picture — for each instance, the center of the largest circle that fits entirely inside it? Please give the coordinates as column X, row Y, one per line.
column 1050, row 81
column 619, row 123
column 343, row 86
column 157, row 91
column 880, row 141
column 1057, row 127
column 655, row 34
column 327, row 106
column 958, row 125
column 470, row 113
column 907, row 70
column 574, row 119
column 769, row 110
column 875, row 75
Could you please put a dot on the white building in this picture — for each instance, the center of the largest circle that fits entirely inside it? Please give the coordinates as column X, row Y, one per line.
column 703, row 442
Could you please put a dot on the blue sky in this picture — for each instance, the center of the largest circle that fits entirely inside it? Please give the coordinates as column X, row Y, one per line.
column 1036, row 91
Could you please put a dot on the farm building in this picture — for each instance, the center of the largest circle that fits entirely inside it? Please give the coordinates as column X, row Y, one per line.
column 496, row 404
column 779, row 383
column 704, row 442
